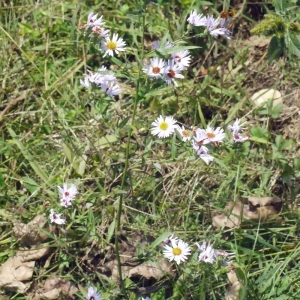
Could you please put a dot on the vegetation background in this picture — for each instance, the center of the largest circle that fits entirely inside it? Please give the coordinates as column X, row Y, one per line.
column 54, row 131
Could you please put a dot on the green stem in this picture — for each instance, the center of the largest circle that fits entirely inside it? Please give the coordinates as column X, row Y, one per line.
column 125, row 172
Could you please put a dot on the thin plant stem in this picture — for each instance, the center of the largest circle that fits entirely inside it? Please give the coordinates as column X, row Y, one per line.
column 125, row 171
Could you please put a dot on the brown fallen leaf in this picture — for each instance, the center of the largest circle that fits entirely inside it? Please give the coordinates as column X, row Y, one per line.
column 155, row 270
column 54, row 288
column 14, row 271
column 19, row 268
column 250, row 208
column 31, row 234
column 232, row 292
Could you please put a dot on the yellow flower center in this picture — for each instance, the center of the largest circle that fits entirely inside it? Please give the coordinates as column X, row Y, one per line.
column 210, row 135
column 176, row 251
column 156, row 70
column 186, row 133
column 163, row 126
column 111, row 45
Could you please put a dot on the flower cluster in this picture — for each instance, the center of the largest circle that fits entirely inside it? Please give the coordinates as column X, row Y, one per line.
column 107, row 44
column 168, row 69
column 104, row 79
column 214, row 26
column 235, row 128
column 110, row 45
column 165, row 126
column 177, row 250
column 67, row 195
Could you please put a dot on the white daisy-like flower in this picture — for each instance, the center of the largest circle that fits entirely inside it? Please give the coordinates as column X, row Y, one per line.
column 214, row 29
column 67, row 194
column 171, row 71
column 111, row 45
column 215, row 135
column 236, row 126
column 168, row 241
column 237, row 137
column 186, row 134
column 86, row 81
column 157, row 45
column 156, row 67
column 221, row 31
column 208, row 253
column 56, row 218
column 163, row 127
column 100, row 31
column 100, row 77
column 178, row 251
column 182, row 58
column 92, row 294
column 93, row 20
column 200, row 137
column 110, row 88
column 147, row 298
column 202, row 151
column 196, row 19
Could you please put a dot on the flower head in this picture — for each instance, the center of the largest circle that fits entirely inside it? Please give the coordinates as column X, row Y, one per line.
column 111, row 45
column 214, row 27
column 94, row 21
column 163, row 127
column 168, row 241
column 86, row 81
column 215, row 135
column 158, row 44
column 236, row 126
column 155, row 68
column 182, row 58
column 171, row 71
column 67, row 194
column 56, row 218
column 208, row 253
column 186, row 134
column 202, row 151
column 178, row 251
column 147, row 298
column 100, row 31
column 92, row 294
column 196, row 19
column 200, row 137
column 237, row 137
column 110, row 88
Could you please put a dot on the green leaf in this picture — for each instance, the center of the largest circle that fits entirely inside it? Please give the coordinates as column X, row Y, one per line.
column 80, row 165
column 26, row 27
column 259, row 140
column 124, row 122
column 2, row 182
column 105, row 141
column 38, row 48
column 276, row 48
column 68, row 152
column 160, row 239
column 166, row 51
column 111, row 230
column 293, row 44
column 30, row 184
column 280, row 6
